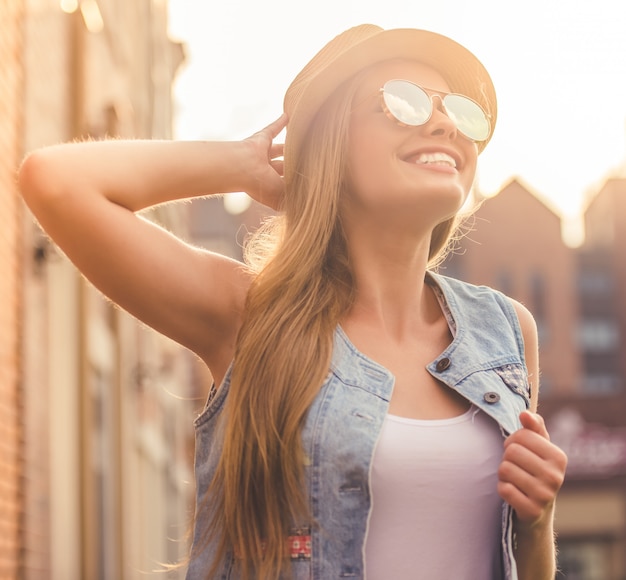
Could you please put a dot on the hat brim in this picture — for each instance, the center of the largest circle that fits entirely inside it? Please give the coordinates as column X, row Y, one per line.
column 463, row 72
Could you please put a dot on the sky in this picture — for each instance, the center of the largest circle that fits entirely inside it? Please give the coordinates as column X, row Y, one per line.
column 559, row 68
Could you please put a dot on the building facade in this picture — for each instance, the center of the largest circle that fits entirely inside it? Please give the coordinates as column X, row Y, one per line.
column 578, row 297
column 605, row 224
column 107, row 403
column 11, row 423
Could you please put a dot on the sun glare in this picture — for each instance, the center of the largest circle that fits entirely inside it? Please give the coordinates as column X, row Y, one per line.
column 545, row 77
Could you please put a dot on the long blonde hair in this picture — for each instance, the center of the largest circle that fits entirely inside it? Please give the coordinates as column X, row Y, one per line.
column 283, row 354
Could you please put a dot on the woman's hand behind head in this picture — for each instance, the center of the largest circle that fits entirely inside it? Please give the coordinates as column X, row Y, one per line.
column 262, row 165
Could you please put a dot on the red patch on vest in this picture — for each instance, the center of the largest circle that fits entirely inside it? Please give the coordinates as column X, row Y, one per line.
column 300, row 546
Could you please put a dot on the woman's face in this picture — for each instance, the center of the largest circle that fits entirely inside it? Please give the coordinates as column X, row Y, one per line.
column 425, row 172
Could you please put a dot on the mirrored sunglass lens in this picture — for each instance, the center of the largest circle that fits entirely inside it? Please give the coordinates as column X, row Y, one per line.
column 407, row 102
column 469, row 118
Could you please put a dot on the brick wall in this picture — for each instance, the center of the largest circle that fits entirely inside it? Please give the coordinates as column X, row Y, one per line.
column 10, row 424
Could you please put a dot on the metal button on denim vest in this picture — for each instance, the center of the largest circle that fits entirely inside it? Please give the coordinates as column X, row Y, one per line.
column 484, row 363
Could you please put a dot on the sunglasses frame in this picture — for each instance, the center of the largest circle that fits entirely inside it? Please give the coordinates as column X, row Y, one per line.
column 431, row 94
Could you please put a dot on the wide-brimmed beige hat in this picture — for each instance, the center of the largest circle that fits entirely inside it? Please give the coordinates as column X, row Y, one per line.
column 362, row 46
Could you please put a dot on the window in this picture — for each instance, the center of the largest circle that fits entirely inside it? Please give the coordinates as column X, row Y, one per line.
column 598, row 335
column 586, row 559
column 601, row 383
column 595, row 283
column 538, row 296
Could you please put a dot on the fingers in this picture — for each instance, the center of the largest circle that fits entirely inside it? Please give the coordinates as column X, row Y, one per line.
column 279, row 166
column 526, row 458
column 275, row 127
column 534, row 422
column 263, row 165
column 276, row 150
column 533, row 441
column 532, row 470
column 276, row 158
column 528, row 510
column 533, row 433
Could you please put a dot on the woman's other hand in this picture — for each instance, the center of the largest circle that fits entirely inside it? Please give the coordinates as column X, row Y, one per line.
column 532, row 472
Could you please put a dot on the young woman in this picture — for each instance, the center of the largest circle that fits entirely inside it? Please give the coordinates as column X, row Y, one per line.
column 370, row 418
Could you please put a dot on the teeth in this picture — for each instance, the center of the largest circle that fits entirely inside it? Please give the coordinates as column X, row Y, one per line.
column 439, row 158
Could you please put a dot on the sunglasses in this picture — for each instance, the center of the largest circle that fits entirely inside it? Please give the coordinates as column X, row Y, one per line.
column 410, row 105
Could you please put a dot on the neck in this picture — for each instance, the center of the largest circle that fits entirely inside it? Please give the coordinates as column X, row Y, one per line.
column 389, row 269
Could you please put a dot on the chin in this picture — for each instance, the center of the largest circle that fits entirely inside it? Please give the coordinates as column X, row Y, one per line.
column 445, row 202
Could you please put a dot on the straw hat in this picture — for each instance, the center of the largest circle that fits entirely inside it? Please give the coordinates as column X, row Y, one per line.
column 365, row 45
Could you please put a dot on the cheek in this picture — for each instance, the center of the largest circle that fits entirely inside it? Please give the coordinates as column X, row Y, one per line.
column 366, row 160
column 471, row 173
column 364, row 178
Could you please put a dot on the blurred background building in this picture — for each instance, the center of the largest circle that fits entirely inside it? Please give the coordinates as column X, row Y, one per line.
column 11, row 424
column 578, row 297
column 96, row 410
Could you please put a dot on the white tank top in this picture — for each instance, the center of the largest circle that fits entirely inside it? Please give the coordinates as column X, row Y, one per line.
column 436, row 512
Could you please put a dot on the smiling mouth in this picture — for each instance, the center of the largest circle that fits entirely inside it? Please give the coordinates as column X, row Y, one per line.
column 441, row 159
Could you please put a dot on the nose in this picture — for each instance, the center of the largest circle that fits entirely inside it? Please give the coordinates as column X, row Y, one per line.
column 440, row 122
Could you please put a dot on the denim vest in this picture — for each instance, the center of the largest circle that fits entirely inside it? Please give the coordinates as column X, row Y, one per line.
column 484, row 363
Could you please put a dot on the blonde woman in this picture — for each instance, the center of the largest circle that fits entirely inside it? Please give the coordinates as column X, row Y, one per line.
column 370, row 418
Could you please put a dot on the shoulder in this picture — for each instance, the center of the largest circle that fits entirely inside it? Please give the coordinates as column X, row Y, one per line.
column 531, row 349
column 470, row 297
column 526, row 320
column 461, row 288
column 480, row 305
column 481, row 296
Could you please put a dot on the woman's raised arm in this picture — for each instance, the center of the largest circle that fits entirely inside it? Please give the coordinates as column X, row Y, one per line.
column 85, row 196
